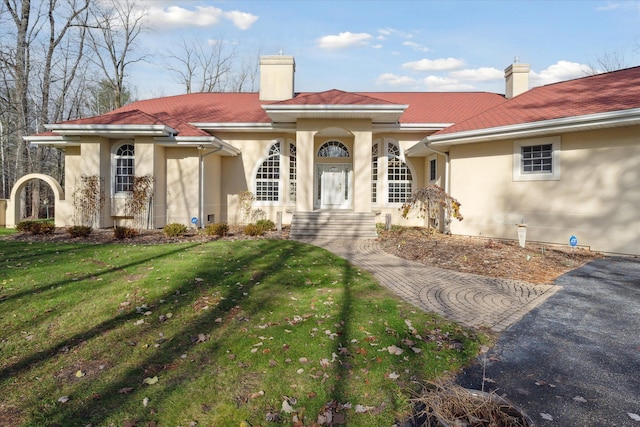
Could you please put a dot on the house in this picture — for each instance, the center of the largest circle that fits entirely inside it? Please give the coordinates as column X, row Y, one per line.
column 562, row 158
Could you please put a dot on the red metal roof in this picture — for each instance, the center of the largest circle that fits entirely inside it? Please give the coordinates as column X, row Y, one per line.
column 440, row 107
column 137, row 117
column 225, row 107
column 333, row 97
column 619, row 90
column 602, row 93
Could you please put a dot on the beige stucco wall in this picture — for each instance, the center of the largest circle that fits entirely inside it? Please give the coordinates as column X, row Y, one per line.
column 596, row 198
column 239, row 172
column 182, row 184
column 64, row 208
column 3, row 213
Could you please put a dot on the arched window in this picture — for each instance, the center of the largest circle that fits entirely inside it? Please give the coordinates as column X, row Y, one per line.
column 268, row 176
column 333, row 149
column 269, row 179
column 124, row 168
column 374, row 173
column 398, row 176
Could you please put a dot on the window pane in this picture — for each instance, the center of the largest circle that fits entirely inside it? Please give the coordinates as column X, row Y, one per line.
column 537, row 159
column 125, row 168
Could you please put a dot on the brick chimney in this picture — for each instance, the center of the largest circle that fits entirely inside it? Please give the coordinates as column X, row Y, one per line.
column 276, row 77
column 516, row 79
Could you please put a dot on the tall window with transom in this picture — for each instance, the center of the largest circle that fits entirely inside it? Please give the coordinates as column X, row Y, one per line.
column 400, row 181
column 124, row 168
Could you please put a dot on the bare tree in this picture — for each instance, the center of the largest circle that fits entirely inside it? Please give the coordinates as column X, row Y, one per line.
column 36, row 72
column 202, row 67
column 245, row 79
column 607, row 62
column 117, row 24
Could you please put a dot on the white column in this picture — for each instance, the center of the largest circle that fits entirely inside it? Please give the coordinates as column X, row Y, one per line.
column 305, row 156
column 362, row 170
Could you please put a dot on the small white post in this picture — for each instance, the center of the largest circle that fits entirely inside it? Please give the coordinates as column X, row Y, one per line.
column 522, row 234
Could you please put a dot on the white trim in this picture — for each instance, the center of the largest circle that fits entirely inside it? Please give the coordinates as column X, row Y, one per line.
column 375, row 112
column 196, row 141
column 112, row 178
column 258, row 165
column 573, row 124
column 554, row 175
column 71, row 129
column 346, row 170
column 383, row 171
column 432, row 158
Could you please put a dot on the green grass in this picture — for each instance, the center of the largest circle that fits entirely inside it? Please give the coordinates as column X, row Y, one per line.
column 226, row 328
column 7, row 231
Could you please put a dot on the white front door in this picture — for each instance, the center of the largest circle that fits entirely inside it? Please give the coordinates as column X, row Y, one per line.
column 333, row 186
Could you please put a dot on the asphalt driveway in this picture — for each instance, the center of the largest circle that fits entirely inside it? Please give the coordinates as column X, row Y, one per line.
column 575, row 359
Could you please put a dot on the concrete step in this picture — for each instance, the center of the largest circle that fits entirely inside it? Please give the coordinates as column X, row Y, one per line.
column 333, row 224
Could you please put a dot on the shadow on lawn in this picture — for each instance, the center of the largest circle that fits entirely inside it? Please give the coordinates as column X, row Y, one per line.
column 83, row 411
column 31, row 361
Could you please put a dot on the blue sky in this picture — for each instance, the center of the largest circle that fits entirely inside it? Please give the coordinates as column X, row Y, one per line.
column 396, row 45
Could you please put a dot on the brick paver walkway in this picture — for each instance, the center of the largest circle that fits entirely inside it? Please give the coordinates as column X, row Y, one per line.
column 469, row 299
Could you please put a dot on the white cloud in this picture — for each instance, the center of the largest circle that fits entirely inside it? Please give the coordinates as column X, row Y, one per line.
column 609, row 6
column 416, row 46
column 394, row 80
column 242, row 20
column 442, row 64
column 344, row 40
column 558, row 72
column 482, row 74
column 201, row 16
column 445, row 84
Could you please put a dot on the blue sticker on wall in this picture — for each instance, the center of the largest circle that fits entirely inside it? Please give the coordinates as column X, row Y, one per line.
column 194, row 220
column 573, row 241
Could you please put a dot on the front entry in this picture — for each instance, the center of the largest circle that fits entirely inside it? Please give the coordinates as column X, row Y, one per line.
column 333, row 182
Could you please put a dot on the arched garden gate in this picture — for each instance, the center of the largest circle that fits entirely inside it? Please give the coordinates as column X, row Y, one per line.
column 13, row 204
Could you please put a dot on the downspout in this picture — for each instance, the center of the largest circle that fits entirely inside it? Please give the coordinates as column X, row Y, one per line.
column 201, row 148
column 446, row 163
column 447, row 171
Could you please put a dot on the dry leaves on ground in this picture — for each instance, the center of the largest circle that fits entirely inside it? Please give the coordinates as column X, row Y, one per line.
column 537, row 263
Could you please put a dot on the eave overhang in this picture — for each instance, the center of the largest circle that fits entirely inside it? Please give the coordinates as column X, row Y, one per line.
column 376, row 113
column 200, row 142
column 111, row 131
column 54, row 140
column 525, row 130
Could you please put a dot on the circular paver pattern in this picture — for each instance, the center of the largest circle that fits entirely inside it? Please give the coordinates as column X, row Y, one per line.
column 469, row 299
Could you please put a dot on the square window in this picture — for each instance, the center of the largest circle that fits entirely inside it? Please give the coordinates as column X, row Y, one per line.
column 536, row 159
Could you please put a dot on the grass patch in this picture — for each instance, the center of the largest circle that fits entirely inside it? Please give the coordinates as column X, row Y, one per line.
column 7, row 231
column 212, row 333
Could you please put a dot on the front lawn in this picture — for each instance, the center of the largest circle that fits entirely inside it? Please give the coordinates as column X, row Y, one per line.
column 208, row 333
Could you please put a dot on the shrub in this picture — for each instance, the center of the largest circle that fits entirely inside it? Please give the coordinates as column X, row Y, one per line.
column 36, row 227
column 253, row 230
column 174, row 230
column 124, row 232
column 218, row 229
column 42, row 227
column 266, row 224
column 25, row 226
column 79, row 231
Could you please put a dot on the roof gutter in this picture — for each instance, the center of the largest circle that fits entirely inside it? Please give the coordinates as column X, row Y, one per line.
column 447, row 162
column 566, row 124
column 105, row 129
